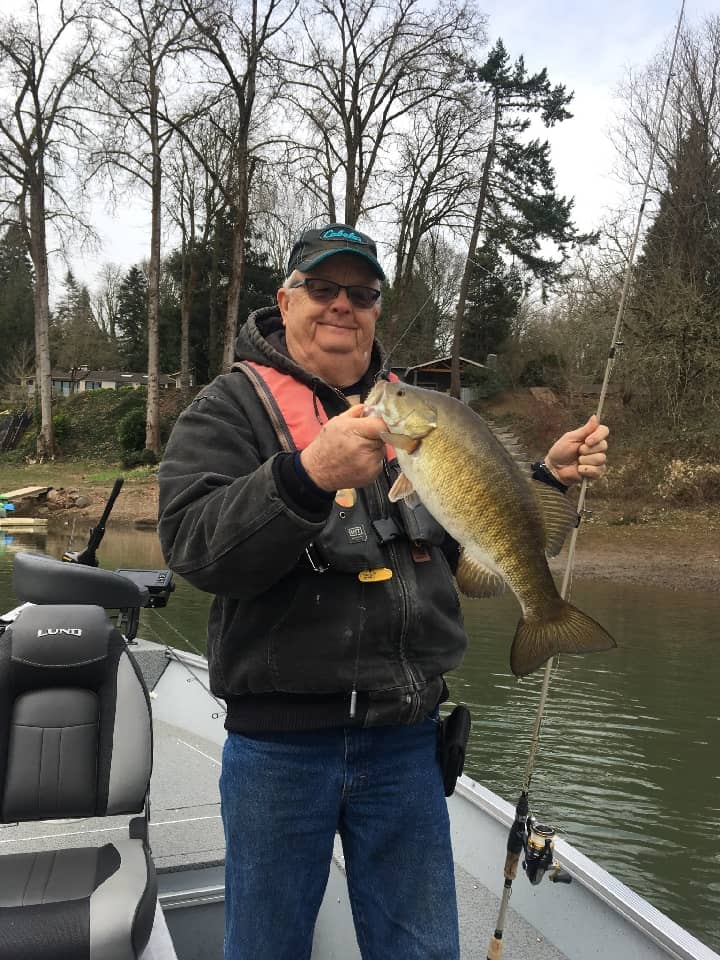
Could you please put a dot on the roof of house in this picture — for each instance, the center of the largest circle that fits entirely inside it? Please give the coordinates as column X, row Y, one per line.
column 439, row 360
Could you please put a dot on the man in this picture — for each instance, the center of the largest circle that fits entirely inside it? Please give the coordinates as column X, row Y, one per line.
column 333, row 622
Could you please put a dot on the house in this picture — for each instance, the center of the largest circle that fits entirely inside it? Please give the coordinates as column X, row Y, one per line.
column 435, row 375
column 81, row 379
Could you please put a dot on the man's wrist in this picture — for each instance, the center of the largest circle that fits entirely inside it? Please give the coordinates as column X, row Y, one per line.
column 301, row 495
column 542, row 472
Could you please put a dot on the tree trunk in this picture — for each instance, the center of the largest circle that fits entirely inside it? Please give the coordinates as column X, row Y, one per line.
column 237, row 277
column 189, row 272
column 41, row 298
column 213, row 365
column 467, row 272
column 152, row 429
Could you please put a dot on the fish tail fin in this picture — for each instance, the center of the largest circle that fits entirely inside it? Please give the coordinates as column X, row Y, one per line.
column 563, row 629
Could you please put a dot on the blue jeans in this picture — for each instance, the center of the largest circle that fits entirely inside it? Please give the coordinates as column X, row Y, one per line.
column 283, row 798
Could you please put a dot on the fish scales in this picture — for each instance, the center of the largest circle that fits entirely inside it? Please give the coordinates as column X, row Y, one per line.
column 467, row 477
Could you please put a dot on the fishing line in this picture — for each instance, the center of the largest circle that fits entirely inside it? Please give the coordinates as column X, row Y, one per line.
column 515, row 844
column 386, row 363
column 173, row 654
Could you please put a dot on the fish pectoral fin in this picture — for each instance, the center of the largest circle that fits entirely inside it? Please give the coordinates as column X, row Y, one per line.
column 558, row 514
column 565, row 630
column 401, row 441
column 476, row 580
column 403, row 489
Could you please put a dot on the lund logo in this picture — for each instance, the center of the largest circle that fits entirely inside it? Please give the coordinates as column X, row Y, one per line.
column 65, row 631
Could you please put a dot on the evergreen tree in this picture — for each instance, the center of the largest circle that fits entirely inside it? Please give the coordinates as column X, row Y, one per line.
column 260, row 286
column 132, row 321
column 76, row 338
column 16, row 289
column 518, row 209
column 672, row 332
column 494, row 295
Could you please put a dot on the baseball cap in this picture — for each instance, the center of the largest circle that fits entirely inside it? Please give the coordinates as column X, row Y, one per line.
column 314, row 246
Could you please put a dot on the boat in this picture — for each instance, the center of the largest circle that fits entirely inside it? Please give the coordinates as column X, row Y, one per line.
column 594, row 915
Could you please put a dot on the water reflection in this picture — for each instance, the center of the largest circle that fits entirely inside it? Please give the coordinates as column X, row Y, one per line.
column 627, row 770
column 628, row 764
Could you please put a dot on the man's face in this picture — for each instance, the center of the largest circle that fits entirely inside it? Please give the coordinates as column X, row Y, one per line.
column 331, row 339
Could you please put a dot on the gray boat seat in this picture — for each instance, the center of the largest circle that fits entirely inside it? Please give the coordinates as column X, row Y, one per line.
column 38, row 578
column 75, row 741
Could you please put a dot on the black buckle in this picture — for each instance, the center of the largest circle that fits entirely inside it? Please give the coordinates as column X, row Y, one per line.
column 318, row 565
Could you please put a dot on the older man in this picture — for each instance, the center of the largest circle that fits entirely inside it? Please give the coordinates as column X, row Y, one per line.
column 333, row 622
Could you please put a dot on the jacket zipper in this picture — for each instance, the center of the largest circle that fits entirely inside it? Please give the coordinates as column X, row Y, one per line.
column 413, row 699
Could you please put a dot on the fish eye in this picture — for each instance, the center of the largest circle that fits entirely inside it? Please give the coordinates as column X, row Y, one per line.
column 400, row 393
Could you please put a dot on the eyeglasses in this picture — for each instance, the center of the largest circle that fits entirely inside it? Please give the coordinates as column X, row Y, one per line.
column 325, row 291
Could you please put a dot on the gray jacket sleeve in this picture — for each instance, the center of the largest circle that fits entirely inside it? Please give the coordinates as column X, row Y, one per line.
column 223, row 524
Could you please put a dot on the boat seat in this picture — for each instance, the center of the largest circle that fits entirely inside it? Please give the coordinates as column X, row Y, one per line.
column 75, row 742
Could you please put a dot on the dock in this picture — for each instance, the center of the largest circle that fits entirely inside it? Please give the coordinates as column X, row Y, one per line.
column 22, row 523
column 25, row 493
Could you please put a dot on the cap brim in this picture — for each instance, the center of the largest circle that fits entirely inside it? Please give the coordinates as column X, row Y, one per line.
column 306, row 265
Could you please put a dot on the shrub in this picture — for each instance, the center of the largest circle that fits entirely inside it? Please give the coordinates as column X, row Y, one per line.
column 139, row 458
column 131, row 430
column 488, row 383
column 62, row 426
column 690, row 482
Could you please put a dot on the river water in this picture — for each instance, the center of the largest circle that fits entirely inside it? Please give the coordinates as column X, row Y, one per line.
column 629, row 766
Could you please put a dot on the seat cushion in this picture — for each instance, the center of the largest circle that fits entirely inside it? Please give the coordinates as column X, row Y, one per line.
column 87, row 903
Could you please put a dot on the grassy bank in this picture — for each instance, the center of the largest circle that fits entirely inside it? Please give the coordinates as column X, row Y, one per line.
column 653, row 471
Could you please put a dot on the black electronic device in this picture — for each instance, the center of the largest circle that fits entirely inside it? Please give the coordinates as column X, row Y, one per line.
column 159, row 584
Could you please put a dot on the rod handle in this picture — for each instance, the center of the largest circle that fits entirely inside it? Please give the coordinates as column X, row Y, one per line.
column 495, row 948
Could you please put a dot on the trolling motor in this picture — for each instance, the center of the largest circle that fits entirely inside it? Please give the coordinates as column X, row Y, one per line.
column 88, row 556
column 158, row 583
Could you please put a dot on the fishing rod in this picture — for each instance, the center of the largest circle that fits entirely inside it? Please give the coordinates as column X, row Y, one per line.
column 526, row 834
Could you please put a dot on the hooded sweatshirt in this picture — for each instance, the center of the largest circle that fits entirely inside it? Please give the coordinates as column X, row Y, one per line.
column 297, row 640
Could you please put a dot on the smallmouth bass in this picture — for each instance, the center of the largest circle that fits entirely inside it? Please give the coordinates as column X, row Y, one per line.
column 505, row 522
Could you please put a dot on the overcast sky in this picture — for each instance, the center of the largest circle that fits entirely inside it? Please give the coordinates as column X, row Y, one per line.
column 586, row 46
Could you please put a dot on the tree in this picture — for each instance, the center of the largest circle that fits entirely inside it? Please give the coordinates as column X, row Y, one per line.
column 16, row 289
column 214, row 263
column 517, row 209
column 427, row 308
column 147, row 36
column 437, row 160
column 132, row 319
column 673, row 332
column 42, row 60
column 673, row 326
column 195, row 204
column 76, row 338
column 234, row 43
column 105, row 300
column 494, row 294
column 359, row 76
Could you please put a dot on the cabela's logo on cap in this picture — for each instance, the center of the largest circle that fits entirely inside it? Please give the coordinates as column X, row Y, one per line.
column 342, row 235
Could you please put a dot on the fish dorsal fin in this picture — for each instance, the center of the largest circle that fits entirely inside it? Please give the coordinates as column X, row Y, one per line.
column 403, row 489
column 558, row 514
column 476, row 580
